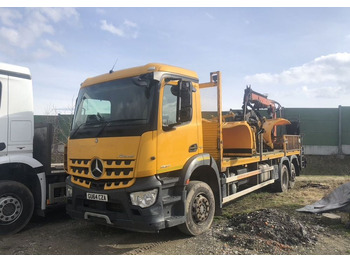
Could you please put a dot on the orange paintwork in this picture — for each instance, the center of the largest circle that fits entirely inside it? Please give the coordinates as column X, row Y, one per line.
column 268, row 125
column 238, row 135
column 135, row 71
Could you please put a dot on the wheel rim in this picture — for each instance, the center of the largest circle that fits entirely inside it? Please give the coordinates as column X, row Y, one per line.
column 292, row 174
column 200, row 208
column 10, row 209
column 285, row 179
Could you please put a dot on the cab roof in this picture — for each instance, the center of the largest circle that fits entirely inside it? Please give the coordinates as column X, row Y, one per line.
column 135, row 71
column 14, row 69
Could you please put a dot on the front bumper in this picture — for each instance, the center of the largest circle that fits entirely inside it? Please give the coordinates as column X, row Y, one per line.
column 119, row 211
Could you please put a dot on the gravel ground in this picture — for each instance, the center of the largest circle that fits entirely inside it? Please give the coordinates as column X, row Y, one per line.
column 264, row 231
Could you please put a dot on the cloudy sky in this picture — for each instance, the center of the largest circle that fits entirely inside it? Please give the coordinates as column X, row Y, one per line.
column 299, row 56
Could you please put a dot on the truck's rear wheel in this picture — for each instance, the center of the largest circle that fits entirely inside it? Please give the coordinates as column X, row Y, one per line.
column 199, row 208
column 16, row 207
column 282, row 184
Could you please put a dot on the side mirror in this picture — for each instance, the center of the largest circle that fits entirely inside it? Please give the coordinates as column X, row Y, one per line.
column 175, row 90
column 143, row 80
column 185, row 113
column 177, row 103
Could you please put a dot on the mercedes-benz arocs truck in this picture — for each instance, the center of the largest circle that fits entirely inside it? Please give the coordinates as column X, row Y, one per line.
column 143, row 156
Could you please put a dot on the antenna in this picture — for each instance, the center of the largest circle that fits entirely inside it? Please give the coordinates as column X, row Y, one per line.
column 111, row 71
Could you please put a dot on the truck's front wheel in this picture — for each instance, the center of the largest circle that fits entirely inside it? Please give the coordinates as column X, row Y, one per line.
column 16, row 206
column 199, row 208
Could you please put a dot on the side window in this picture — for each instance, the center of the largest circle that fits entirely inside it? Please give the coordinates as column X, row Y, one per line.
column 169, row 105
column 177, row 103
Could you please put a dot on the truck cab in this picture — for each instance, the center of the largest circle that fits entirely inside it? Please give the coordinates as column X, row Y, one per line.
column 123, row 148
column 24, row 164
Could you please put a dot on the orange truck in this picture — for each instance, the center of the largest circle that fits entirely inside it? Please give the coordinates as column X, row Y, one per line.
column 143, row 156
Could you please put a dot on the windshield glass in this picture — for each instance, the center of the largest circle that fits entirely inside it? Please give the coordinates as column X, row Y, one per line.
column 111, row 106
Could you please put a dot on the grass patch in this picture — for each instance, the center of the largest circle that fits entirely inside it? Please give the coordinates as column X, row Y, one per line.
column 307, row 190
column 327, row 165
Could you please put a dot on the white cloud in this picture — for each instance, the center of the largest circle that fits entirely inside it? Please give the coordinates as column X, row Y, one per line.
column 127, row 29
column 59, row 14
column 327, row 92
column 9, row 16
column 129, row 23
column 11, row 35
column 111, row 28
column 26, row 29
column 326, row 76
column 40, row 54
column 54, row 46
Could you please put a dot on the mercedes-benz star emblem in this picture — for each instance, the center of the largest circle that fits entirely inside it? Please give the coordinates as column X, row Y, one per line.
column 96, row 168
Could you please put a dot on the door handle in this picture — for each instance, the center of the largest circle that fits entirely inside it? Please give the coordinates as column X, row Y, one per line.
column 193, row 148
column 2, row 146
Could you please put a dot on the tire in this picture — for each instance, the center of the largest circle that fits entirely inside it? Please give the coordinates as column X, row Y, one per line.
column 199, row 209
column 292, row 176
column 16, row 207
column 282, row 184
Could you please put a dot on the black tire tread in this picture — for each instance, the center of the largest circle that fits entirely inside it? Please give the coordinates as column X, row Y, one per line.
column 187, row 228
column 26, row 196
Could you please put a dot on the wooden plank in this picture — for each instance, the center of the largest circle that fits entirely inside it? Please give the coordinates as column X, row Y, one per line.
column 207, row 85
column 220, row 141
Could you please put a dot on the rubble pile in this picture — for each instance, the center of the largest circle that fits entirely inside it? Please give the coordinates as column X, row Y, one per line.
column 269, row 229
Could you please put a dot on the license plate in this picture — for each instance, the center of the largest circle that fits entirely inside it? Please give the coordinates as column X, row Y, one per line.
column 97, row 197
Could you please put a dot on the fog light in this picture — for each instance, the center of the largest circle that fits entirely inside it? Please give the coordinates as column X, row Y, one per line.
column 144, row 198
column 69, row 191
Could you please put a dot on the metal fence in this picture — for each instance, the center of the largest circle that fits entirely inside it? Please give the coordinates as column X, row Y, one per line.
column 325, row 131
column 61, row 126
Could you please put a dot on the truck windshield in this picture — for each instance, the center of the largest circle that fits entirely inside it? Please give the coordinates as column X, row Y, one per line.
column 116, row 108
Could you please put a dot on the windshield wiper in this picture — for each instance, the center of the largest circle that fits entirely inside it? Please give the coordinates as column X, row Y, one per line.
column 126, row 120
column 76, row 130
column 116, row 121
column 88, row 124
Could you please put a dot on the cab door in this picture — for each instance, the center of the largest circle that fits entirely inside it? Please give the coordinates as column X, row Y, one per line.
column 3, row 114
column 177, row 126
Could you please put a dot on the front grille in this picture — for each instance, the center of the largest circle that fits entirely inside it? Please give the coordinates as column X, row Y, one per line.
column 116, row 173
column 81, row 170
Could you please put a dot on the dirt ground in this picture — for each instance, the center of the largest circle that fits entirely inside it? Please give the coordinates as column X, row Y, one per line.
column 259, row 223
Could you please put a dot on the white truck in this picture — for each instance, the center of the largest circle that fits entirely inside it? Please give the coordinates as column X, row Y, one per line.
column 29, row 183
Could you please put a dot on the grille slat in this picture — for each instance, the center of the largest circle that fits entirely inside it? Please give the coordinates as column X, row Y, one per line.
column 117, row 173
column 119, row 163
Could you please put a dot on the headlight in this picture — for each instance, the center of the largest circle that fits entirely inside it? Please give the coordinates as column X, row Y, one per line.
column 144, row 198
column 69, row 191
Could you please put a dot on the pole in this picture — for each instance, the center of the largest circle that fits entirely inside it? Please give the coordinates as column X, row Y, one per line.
column 340, row 151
